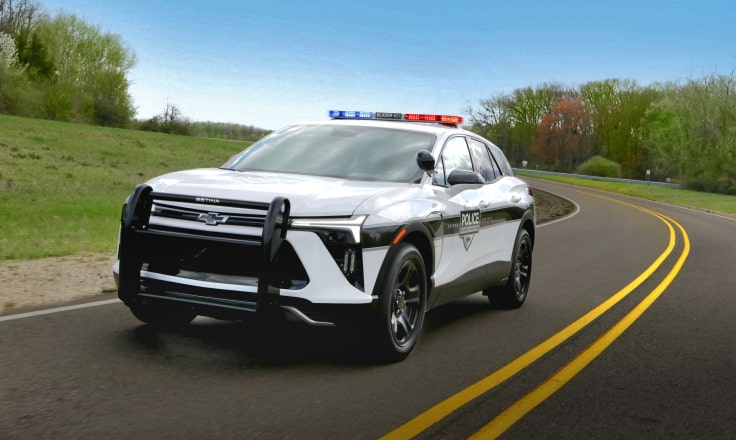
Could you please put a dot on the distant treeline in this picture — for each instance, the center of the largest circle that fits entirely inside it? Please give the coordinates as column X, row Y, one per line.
column 65, row 69
column 172, row 121
column 680, row 131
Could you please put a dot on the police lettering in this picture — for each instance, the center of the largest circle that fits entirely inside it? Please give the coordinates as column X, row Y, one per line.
column 469, row 222
column 470, row 218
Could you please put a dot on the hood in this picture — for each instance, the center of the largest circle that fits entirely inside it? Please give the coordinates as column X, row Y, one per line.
column 310, row 196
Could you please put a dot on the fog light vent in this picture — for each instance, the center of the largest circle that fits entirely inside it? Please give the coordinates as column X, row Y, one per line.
column 348, row 264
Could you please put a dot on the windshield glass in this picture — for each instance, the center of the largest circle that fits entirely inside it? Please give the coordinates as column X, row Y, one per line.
column 343, row 151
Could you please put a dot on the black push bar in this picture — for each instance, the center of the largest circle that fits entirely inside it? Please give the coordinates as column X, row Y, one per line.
column 135, row 230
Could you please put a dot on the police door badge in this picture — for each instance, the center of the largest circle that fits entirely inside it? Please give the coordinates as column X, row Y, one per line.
column 469, row 226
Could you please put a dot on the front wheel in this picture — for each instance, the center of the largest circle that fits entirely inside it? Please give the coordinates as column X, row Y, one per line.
column 403, row 302
column 513, row 294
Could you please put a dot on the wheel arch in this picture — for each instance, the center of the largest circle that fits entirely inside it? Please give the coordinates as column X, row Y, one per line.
column 424, row 246
column 419, row 236
column 527, row 222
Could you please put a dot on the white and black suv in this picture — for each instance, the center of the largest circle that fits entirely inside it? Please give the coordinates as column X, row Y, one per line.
column 374, row 215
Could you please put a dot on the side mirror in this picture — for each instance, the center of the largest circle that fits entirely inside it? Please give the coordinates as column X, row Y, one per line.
column 457, row 177
column 425, row 160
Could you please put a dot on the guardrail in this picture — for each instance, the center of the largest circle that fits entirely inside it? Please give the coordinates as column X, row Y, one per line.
column 604, row 179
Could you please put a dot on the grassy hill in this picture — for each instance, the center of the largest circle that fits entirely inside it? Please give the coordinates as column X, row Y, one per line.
column 62, row 185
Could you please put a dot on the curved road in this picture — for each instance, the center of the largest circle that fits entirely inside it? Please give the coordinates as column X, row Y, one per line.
column 629, row 331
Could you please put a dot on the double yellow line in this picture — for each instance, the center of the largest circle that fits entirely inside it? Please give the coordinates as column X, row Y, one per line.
column 521, row 407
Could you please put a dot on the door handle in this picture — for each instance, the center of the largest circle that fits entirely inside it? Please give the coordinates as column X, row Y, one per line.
column 484, row 204
column 515, row 199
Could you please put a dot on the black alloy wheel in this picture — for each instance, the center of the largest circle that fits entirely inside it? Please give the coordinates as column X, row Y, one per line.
column 513, row 294
column 403, row 304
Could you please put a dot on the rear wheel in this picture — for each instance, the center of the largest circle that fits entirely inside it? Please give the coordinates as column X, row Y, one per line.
column 513, row 294
column 403, row 302
column 168, row 315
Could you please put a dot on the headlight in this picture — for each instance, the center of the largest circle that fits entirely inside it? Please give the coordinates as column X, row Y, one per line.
column 341, row 237
column 335, row 230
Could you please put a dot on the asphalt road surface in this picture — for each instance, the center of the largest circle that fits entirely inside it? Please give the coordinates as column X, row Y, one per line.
column 629, row 331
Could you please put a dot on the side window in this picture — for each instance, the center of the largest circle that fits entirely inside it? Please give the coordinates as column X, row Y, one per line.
column 455, row 156
column 482, row 160
column 496, row 168
column 502, row 161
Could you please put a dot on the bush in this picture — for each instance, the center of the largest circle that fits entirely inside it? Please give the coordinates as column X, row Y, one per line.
column 60, row 102
column 18, row 95
column 601, row 167
column 717, row 177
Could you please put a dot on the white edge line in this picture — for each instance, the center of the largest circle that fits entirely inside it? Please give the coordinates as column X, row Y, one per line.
column 58, row 310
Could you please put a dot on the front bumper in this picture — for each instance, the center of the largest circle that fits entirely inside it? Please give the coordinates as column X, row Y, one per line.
column 230, row 275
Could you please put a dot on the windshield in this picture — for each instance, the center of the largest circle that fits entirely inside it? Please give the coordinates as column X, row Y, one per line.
column 343, row 151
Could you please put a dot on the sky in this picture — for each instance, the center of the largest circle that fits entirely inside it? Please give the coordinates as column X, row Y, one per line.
column 274, row 63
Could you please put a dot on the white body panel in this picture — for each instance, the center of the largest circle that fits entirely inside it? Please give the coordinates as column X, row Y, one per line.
column 326, row 285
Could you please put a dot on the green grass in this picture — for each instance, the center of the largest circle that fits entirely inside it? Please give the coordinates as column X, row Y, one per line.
column 715, row 203
column 62, row 185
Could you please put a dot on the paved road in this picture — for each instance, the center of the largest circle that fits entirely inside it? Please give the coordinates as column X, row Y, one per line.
column 537, row 372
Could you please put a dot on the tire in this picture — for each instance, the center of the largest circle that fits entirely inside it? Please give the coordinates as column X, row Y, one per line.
column 403, row 302
column 169, row 315
column 513, row 294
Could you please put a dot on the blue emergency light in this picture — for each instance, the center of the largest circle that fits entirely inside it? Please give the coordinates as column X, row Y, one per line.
column 343, row 114
column 412, row 117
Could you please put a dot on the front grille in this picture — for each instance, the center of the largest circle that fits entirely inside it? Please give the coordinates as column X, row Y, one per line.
column 206, row 214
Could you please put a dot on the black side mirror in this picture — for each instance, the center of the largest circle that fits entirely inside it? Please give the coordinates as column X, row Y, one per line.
column 464, row 176
column 425, row 160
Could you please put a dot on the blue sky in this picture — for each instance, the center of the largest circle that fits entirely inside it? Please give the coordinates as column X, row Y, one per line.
column 270, row 64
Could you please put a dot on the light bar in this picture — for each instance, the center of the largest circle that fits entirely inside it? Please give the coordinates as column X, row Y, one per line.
column 343, row 114
column 444, row 119
column 412, row 117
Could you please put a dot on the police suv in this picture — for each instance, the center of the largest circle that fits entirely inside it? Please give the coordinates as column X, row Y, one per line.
column 369, row 219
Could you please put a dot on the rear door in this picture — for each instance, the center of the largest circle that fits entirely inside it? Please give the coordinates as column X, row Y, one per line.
column 501, row 217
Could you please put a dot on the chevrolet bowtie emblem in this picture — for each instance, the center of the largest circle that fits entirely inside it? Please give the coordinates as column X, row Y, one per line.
column 212, row 218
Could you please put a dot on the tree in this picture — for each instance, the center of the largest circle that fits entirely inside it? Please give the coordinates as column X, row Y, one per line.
column 492, row 120
column 511, row 120
column 617, row 110
column 34, row 57
column 171, row 121
column 526, row 108
column 18, row 95
column 17, row 16
column 691, row 132
column 603, row 102
column 8, row 52
column 562, row 137
column 94, row 62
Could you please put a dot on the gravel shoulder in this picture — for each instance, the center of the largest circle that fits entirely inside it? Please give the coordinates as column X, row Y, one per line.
column 51, row 280
column 43, row 281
